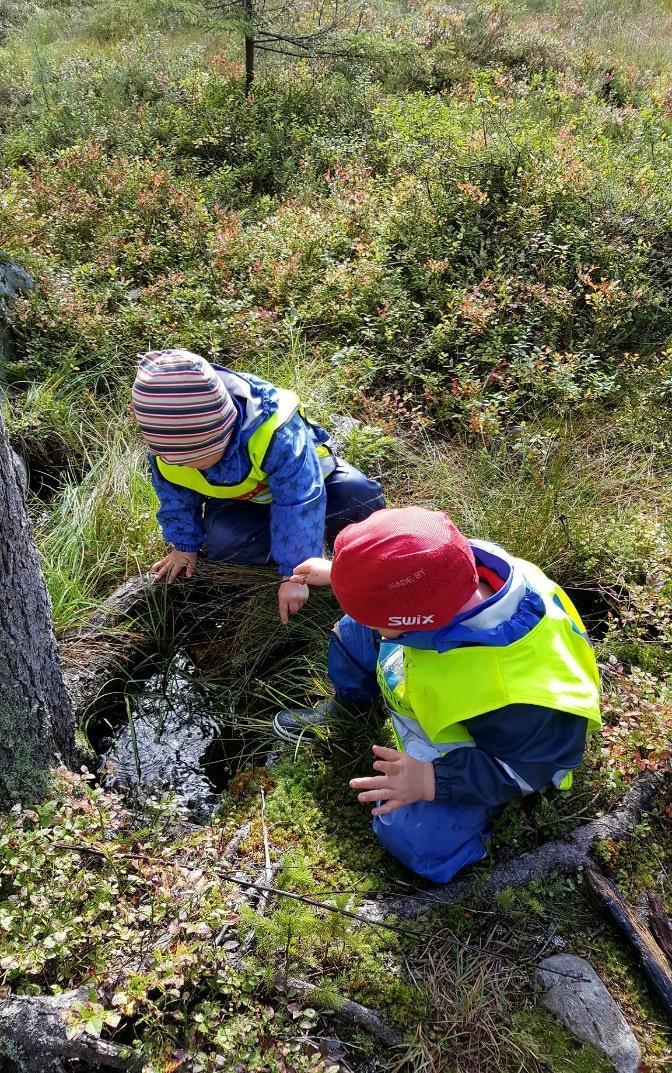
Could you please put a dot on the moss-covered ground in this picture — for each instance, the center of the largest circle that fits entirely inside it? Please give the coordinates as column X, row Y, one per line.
column 455, row 232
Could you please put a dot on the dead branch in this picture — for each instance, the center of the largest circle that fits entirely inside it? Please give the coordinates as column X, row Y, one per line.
column 654, row 963
column 267, row 874
column 660, row 924
column 347, row 1009
column 309, row 52
column 299, row 40
column 240, row 881
column 235, row 842
column 37, row 1028
column 564, row 857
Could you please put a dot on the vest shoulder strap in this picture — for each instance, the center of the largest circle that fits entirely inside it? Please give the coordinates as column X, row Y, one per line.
column 260, row 440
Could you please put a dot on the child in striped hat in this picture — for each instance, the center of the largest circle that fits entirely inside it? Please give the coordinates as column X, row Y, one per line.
column 240, row 472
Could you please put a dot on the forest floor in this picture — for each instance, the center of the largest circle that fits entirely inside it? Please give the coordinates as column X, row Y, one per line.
column 452, row 239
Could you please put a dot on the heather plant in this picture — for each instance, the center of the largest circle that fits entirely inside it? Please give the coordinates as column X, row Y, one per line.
column 453, row 243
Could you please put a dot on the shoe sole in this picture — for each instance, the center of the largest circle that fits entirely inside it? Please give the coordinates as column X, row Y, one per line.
column 293, row 737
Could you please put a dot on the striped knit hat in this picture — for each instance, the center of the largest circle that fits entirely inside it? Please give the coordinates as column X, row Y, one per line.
column 182, row 407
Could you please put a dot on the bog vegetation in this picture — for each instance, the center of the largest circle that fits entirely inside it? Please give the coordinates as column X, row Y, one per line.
column 452, row 238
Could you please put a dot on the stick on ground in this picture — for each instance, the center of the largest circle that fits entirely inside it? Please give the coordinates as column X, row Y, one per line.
column 565, row 857
column 654, row 963
column 660, row 924
column 348, row 1010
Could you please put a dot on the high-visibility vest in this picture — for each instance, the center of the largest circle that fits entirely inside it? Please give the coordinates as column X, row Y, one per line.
column 435, row 694
column 254, row 486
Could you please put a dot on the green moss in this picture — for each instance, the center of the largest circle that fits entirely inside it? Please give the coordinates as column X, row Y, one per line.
column 454, row 238
column 537, row 1031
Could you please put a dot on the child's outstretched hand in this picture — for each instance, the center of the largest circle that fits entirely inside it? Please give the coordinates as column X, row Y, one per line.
column 312, row 572
column 172, row 565
column 404, row 781
column 291, row 598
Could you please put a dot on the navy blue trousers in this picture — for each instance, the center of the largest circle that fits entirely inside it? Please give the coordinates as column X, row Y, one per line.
column 432, row 838
column 240, row 533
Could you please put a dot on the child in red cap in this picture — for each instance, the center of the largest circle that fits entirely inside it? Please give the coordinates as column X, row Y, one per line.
column 481, row 661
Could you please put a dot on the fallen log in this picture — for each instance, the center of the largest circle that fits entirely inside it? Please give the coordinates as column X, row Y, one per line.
column 563, row 857
column 98, row 653
column 38, row 1030
column 654, row 963
column 660, row 924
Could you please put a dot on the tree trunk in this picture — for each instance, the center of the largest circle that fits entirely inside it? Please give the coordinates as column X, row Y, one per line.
column 36, row 719
column 248, row 10
column 249, row 64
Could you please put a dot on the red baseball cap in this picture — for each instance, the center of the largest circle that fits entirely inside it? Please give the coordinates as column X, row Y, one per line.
column 406, row 569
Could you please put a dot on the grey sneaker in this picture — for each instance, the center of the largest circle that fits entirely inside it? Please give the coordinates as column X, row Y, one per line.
column 298, row 725
column 337, row 718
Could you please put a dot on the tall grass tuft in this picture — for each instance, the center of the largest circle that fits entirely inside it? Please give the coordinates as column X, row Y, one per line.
column 97, row 532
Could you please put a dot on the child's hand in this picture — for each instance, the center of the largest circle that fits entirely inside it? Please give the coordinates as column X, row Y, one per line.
column 405, row 780
column 291, row 598
column 312, row 572
column 172, row 565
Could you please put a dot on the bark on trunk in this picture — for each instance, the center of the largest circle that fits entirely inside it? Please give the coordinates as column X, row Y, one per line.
column 249, row 64
column 248, row 9
column 37, row 1029
column 36, row 719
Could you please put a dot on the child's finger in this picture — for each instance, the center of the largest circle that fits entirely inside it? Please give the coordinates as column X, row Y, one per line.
column 384, row 753
column 390, row 767
column 176, row 569
column 370, row 782
column 376, row 795
column 389, row 806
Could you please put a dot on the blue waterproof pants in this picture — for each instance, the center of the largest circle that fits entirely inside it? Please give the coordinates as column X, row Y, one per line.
column 432, row 838
column 239, row 532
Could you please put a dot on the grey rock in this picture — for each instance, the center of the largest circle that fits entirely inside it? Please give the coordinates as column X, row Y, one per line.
column 13, row 280
column 577, row 996
column 340, row 426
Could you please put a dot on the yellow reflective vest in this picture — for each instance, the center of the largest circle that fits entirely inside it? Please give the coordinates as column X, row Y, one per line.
column 254, row 486
column 435, row 694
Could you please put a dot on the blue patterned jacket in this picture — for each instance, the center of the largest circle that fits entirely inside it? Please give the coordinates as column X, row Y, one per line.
column 297, row 512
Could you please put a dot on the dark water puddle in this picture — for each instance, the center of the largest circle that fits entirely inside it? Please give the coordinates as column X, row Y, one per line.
column 177, row 729
column 45, row 471
column 596, row 608
column 169, row 738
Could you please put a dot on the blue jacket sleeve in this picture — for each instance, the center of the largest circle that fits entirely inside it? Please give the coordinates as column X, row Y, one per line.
column 522, row 745
column 352, row 660
column 180, row 512
column 299, row 502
